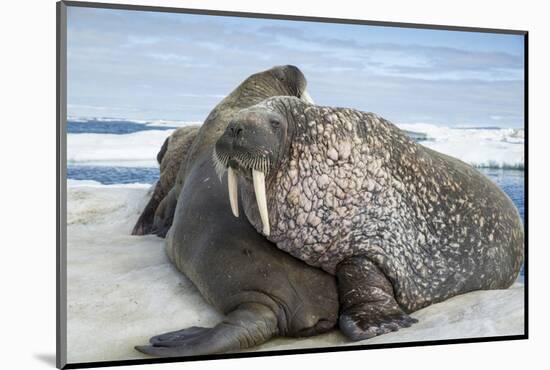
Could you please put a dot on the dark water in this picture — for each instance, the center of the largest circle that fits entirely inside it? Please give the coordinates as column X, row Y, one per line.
column 114, row 175
column 110, row 127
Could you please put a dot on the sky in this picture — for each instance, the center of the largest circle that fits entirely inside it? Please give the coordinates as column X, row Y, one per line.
column 150, row 65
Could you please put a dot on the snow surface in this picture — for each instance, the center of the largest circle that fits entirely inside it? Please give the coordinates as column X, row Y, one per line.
column 480, row 147
column 121, row 289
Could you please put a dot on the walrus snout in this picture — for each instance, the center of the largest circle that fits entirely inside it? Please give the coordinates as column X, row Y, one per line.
column 249, row 147
column 250, row 142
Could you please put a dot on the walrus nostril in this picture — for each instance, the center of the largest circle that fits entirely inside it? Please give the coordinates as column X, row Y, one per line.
column 235, row 130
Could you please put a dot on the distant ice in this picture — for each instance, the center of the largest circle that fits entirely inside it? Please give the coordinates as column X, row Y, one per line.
column 161, row 122
column 481, row 147
column 136, row 149
column 121, row 289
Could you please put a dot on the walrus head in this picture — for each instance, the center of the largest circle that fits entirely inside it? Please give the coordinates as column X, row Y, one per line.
column 253, row 147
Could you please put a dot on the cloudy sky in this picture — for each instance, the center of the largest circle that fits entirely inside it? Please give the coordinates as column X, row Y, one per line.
column 147, row 65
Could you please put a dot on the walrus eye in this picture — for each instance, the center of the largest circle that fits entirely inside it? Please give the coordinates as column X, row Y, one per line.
column 275, row 123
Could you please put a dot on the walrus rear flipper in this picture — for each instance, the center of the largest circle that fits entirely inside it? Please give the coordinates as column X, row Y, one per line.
column 249, row 325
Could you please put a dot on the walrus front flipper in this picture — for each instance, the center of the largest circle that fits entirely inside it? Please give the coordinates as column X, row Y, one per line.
column 249, row 325
column 164, row 215
column 368, row 306
column 144, row 224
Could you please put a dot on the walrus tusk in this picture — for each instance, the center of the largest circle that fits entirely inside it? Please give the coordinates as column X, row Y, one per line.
column 259, row 190
column 232, row 185
column 307, row 98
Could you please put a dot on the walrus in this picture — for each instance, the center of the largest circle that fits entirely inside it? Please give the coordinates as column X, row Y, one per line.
column 217, row 121
column 399, row 225
column 172, row 153
column 263, row 291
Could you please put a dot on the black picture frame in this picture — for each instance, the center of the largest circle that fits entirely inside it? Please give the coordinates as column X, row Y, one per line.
column 61, row 186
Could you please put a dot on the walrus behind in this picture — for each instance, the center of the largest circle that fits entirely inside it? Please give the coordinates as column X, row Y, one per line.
column 173, row 152
column 401, row 226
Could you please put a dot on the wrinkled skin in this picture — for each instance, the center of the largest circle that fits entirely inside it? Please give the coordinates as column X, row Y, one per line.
column 263, row 291
column 400, row 225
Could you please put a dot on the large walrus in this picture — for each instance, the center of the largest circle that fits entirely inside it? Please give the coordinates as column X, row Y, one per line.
column 400, row 225
column 263, row 291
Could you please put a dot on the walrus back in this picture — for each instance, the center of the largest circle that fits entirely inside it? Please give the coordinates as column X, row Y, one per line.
column 502, row 225
column 468, row 232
